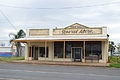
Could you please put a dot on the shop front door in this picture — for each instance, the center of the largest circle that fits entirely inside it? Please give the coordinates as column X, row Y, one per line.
column 77, row 54
column 35, row 54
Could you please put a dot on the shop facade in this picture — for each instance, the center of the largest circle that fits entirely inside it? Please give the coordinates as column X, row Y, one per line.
column 76, row 43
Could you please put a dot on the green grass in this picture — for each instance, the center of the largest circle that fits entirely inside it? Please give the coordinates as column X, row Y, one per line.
column 114, row 59
column 11, row 58
column 116, row 65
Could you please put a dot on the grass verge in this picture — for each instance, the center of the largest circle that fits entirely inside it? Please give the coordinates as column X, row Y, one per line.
column 116, row 65
column 11, row 58
column 114, row 59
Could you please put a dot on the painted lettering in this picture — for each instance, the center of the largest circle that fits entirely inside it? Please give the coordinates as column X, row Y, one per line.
column 82, row 31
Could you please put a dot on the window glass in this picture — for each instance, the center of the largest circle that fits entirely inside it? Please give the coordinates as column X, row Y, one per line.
column 42, row 52
column 58, row 49
column 93, row 49
column 68, row 49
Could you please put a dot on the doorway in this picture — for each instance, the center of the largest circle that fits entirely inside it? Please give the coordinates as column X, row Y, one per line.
column 35, row 55
column 77, row 54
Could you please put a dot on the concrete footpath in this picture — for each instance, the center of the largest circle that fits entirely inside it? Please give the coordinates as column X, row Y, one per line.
column 59, row 63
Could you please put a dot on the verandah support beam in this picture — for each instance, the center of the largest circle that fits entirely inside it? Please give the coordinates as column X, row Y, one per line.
column 84, row 49
column 64, row 51
column 45, row 49
column 31, row 52
column 34, row 52
column 28, row 48
column 38, row 52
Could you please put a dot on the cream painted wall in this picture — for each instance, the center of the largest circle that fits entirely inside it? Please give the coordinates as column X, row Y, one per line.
column 104, row 33
column 51, row 50
column 26, row 51
column 104, row 52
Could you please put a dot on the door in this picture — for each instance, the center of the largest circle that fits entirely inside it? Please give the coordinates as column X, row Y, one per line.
column 35, row 54
column 76, row 54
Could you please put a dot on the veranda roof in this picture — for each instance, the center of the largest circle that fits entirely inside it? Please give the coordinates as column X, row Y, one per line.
column 50, row 38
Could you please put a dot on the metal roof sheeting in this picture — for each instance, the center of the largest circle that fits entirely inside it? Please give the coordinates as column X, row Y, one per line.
column 59, row 38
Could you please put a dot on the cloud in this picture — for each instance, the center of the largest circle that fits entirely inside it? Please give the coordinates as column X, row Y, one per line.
column 107, row 15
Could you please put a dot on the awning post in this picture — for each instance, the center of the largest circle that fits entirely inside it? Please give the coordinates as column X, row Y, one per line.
column 31, row 52
column 45, row 49
column 64, row 51
column 84, row 49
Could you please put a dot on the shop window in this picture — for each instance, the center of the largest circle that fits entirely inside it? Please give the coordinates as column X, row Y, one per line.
column 38, row 52
column 68, row 49
column 58, row 49
column 93, row 50
column 42, row 51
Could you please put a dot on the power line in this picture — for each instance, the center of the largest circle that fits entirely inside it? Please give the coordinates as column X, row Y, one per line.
column 8, row 19
column 47, row 8
column 71, row 7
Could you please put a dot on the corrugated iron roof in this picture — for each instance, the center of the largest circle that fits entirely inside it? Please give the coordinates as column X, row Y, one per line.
column 60, row 38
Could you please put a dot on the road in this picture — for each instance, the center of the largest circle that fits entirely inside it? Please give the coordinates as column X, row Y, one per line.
column 9, row 71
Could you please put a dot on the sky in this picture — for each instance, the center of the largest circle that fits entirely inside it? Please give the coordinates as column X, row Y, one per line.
column 23, row 14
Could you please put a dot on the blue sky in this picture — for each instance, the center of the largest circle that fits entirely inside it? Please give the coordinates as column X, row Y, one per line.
column 60, row 13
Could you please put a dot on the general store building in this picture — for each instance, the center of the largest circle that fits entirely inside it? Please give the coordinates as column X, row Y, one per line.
column 72, row 43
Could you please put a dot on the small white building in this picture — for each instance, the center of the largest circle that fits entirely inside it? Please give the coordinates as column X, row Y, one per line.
column 5, row 48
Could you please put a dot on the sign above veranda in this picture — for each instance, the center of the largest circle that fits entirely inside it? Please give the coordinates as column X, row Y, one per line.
column 82, row 31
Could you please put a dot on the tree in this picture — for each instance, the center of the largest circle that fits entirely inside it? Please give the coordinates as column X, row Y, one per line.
column 112, row 47
column 20, row 34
